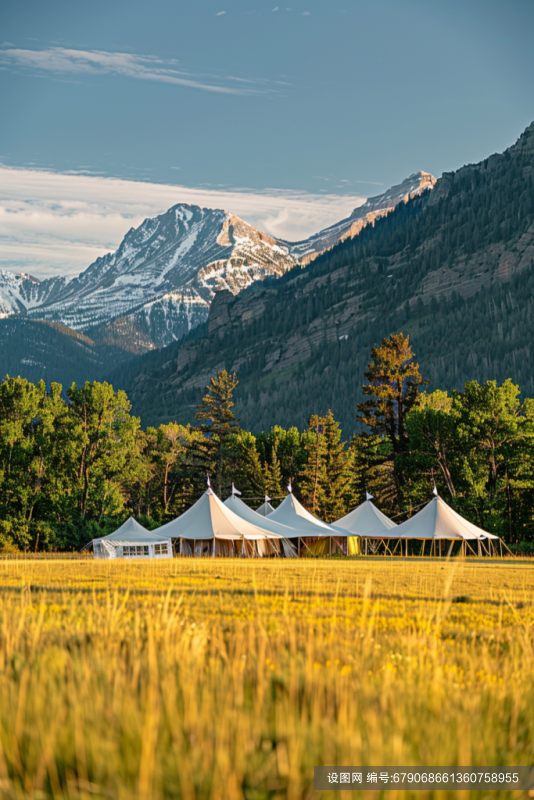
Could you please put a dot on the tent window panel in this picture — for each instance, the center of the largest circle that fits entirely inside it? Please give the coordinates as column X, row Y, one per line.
column 160, row 549
column 135, row 551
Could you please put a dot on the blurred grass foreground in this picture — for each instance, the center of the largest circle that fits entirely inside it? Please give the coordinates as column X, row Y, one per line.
column 223, row 679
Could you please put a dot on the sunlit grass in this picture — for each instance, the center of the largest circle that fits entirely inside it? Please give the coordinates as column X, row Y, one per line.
column 231, row 679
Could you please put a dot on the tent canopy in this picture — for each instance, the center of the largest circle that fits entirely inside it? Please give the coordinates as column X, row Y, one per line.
column 366, row 520
column 131, row 532
column 293, row 515
column 437, row 520
column 209, row 518
column 265, row 509
column 240, row 508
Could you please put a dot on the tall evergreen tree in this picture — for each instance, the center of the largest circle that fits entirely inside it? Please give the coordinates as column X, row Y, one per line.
column 273, row 473
column 335, row 495
column 394, row 381
column 218, row 423
column 313, row 478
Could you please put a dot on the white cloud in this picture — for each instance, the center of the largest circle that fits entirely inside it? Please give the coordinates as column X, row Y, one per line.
column 305, row 13
column 220, row 13
column 148, row 68
column 57, row 223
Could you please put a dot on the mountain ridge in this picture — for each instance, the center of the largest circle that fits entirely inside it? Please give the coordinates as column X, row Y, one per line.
column 160, row 281
column 453, row 267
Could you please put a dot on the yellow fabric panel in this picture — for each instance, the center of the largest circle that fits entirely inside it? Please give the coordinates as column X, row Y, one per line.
column 319, row 547
column 353, row 543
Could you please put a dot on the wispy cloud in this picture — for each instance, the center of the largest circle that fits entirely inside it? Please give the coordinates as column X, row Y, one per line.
column 220, row 13
column 62, row 60
column 56, row 223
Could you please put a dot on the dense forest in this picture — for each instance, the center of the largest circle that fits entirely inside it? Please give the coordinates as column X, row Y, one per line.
column 74, row 467
column 453, row 268
column 39, row 349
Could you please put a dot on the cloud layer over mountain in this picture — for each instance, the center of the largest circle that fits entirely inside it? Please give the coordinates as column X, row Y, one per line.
column 54, row 223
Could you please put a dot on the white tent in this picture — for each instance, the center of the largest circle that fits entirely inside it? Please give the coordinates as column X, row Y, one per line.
column 293, row 515
column 366, row 520
column 131, row 540
column 439, row 522
column 305, row 526
column 246, row 513
column 214, row 529
column 265, row 509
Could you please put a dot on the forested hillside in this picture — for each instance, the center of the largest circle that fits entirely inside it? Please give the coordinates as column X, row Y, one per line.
column 452, row 268
column 53, row 352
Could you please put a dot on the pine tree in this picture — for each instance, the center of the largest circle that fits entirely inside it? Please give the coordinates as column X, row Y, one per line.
column 313, row 477
column 219, row 423
column 273, row 474
column 245, row 464
column 394, row 380
column 334, row 495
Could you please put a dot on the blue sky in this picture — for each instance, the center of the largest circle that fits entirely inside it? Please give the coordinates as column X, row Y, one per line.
column 334, row 97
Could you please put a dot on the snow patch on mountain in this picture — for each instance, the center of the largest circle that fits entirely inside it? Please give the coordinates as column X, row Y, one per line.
column 161, row 280
column 166, row 271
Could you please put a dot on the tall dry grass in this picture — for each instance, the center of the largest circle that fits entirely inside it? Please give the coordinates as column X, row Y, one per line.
column 231, row 679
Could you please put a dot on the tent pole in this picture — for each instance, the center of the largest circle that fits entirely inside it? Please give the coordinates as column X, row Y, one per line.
column 421, row 554
column 440, row 548
column 298, row 545
column 330, row 545
column 406, row 548
column 366, row 541
column 450, row 548
column 213, row 554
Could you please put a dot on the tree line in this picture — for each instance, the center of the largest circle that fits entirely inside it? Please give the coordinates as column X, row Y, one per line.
column 73, row 466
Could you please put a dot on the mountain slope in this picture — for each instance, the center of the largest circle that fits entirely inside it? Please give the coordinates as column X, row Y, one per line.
column 160, row 282
column 453, row 267
column 51, row 351
column 367, row 214
column 161, row 279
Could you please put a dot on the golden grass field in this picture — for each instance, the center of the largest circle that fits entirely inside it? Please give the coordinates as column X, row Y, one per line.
column 230, row 679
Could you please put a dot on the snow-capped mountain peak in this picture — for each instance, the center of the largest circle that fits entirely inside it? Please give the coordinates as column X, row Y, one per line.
column 163, row 275
column 160, row 281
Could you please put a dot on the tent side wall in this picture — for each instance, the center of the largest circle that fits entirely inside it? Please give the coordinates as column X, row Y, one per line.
column 108, row 549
